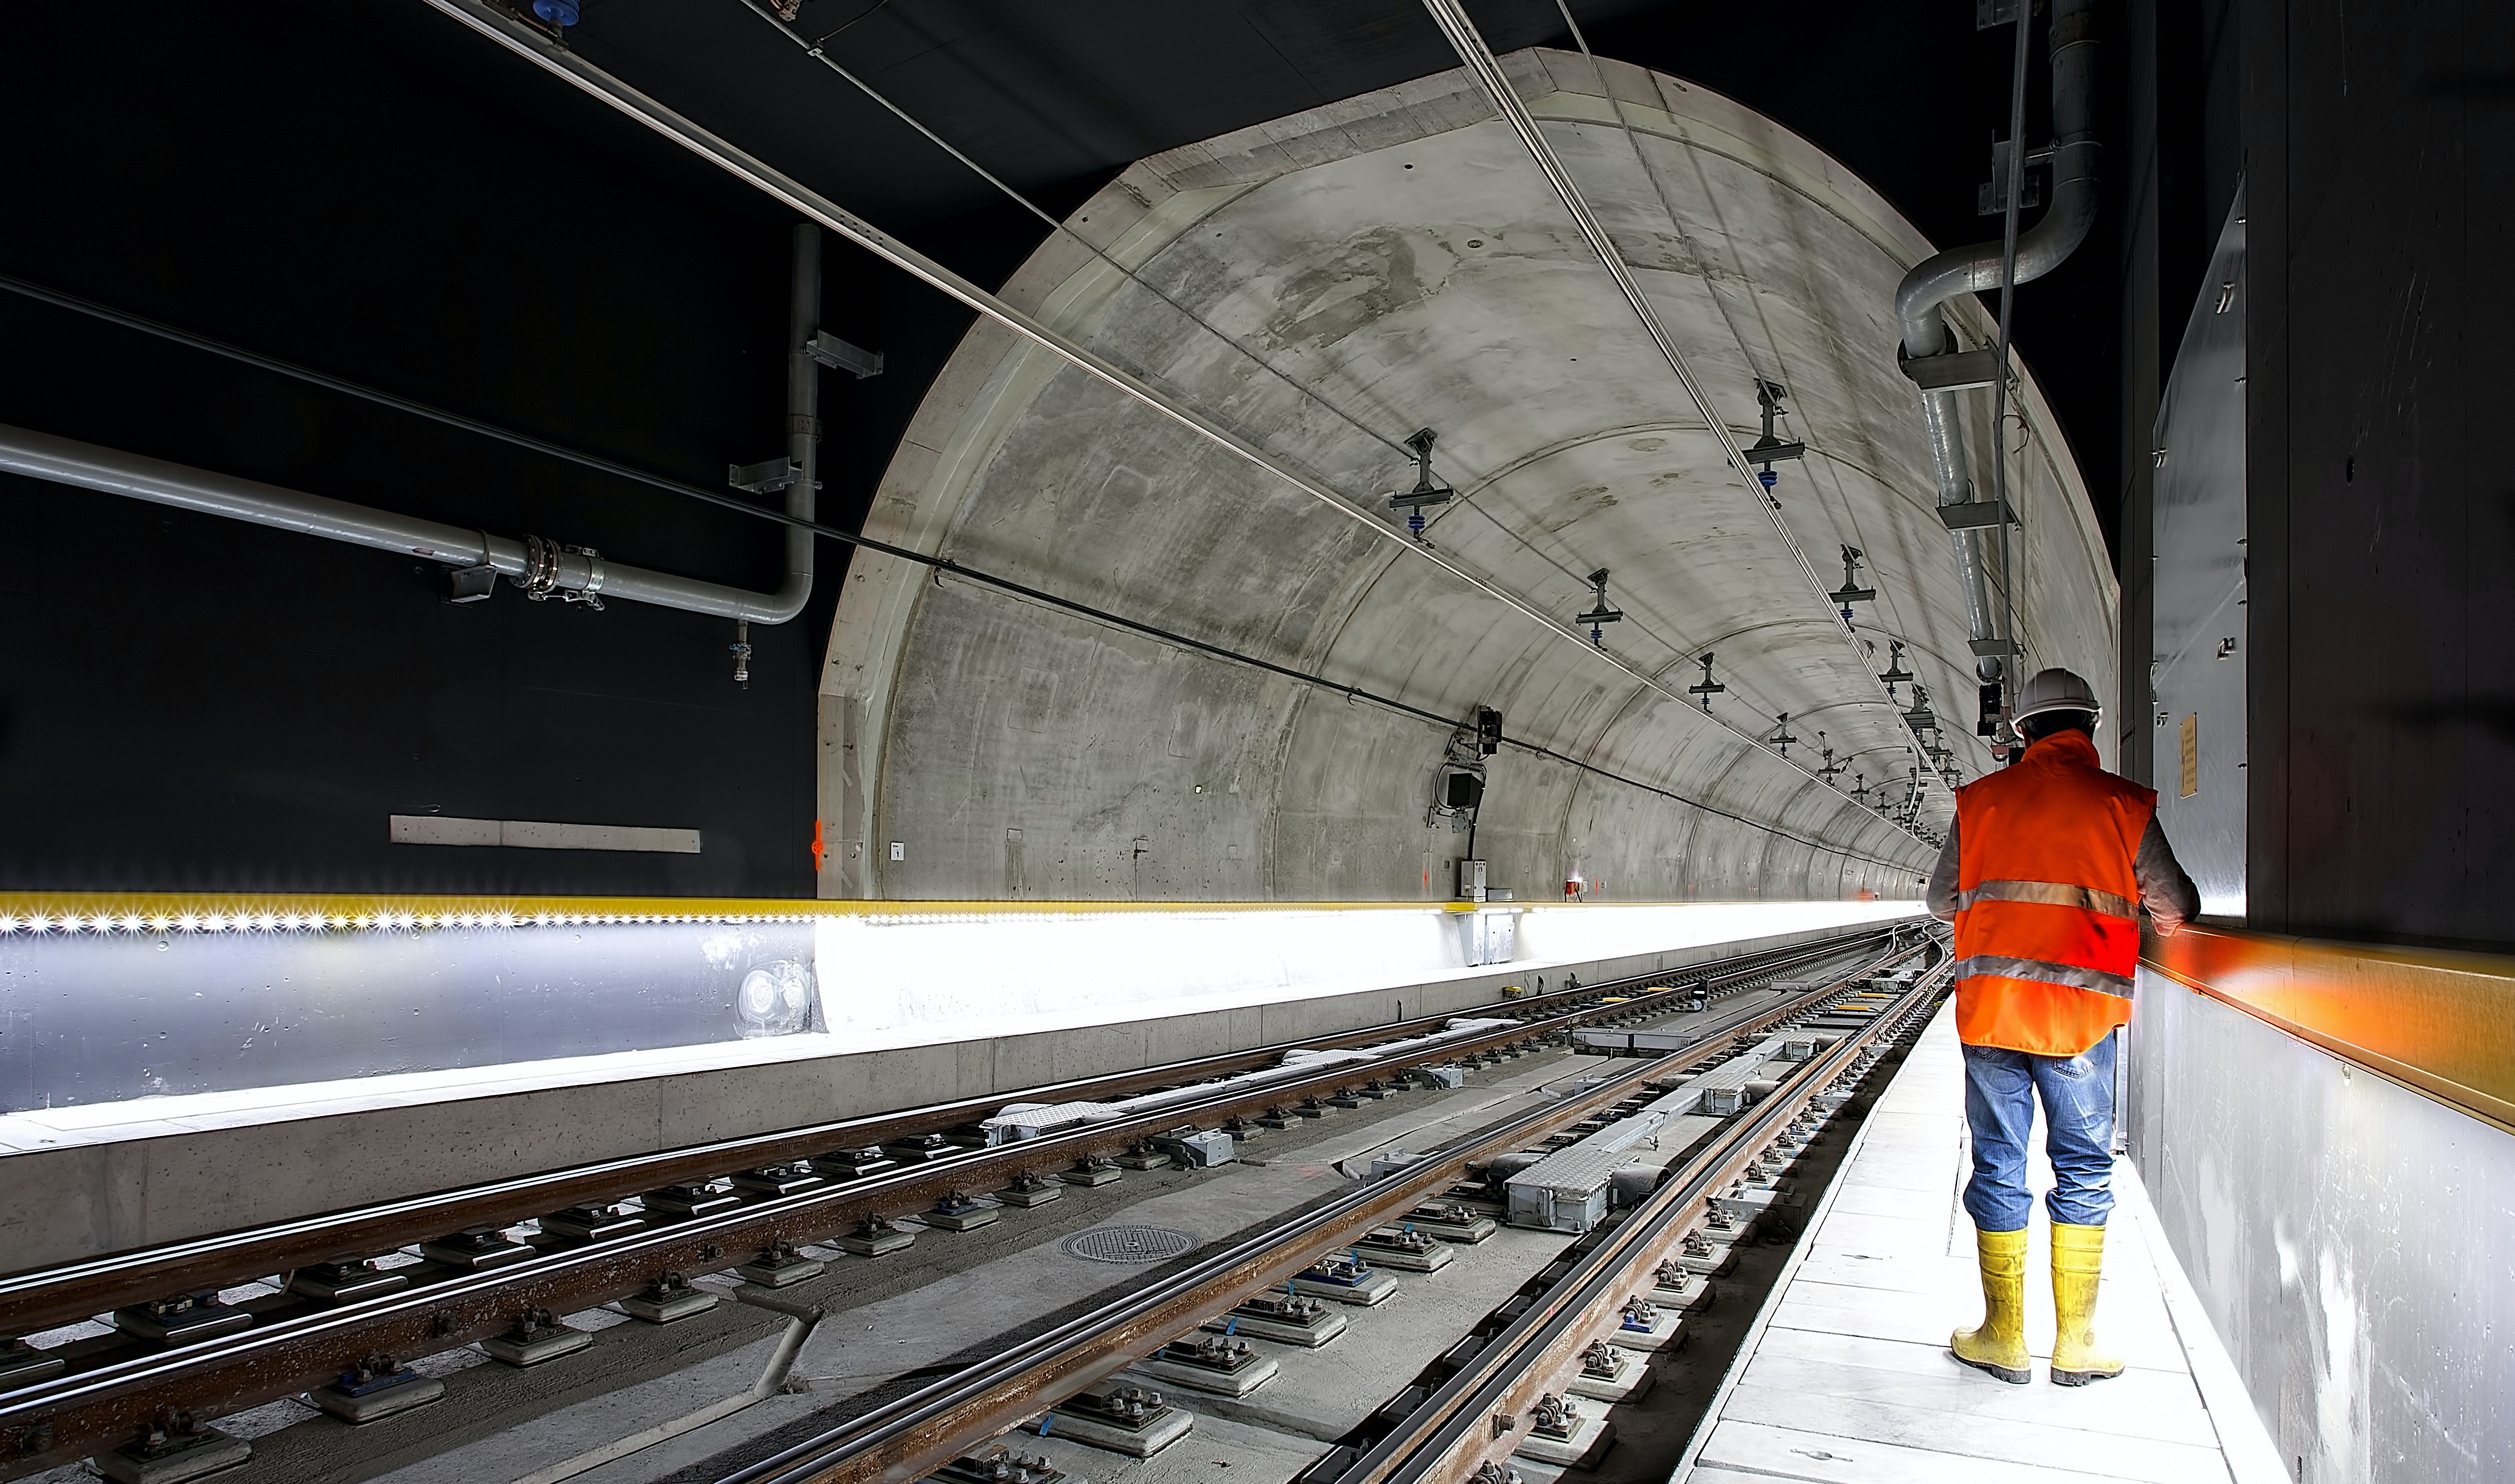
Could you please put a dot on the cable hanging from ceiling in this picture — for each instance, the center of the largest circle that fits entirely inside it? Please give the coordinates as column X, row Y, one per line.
column 1451, row 17
column 1768, row 394
column 939, row 565
column 1680, row 650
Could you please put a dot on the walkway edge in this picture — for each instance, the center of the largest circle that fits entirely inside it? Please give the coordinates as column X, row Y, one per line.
column 1753, row 1340
column 2250, row 1455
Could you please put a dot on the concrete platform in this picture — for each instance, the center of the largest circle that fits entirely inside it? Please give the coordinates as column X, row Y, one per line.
column 1373, row 1288
column 1631, row 1383
column 1847, row 1376
column 107, row 1177
column 1591, row 1436
column 1181, row 1374
column 1092, row 1419
column 1667, row 1331
column 1272, row 1316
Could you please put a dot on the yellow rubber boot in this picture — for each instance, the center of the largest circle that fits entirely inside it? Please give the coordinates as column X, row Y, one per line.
column 1998, row 1343
column 2077, row 1261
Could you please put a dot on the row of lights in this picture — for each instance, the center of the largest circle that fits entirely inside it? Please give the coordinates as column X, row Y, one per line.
column 381, row 922
column 99, row 923
column 927, row 919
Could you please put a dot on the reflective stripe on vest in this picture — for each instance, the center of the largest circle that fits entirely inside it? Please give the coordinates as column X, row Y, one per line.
column 1992, row 965
column 2051, row 894
column 2047, row 885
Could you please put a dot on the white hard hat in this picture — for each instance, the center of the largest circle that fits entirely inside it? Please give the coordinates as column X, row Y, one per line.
column 2056, row 690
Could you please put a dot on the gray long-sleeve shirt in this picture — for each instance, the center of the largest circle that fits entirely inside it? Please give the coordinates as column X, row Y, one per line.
column 2165, row 889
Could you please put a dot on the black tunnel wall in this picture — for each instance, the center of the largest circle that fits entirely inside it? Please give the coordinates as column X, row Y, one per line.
column 2376, row 144
column 2382, row 504
column 187, row 702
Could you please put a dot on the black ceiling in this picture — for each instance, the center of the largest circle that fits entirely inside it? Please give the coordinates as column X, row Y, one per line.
column 374, row 191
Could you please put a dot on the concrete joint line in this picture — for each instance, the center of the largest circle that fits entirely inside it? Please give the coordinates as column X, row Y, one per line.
column 529, row 44
column 799, row 1323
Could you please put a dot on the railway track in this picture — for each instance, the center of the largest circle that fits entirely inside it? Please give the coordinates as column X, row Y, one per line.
column 73, row 1400
column 1457, row 1432
column 919, row 1433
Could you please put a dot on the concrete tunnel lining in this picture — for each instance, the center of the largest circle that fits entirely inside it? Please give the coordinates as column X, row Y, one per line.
column 1016, row 752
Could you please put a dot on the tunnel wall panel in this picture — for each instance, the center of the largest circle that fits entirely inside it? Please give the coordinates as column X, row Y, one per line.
column 1399, row 253
column 2348, row 1238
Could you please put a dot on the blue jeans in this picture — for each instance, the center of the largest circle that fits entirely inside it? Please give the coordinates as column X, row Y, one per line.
column 2077, row 1091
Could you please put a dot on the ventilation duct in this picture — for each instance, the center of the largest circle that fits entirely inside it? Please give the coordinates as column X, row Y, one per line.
column 2041, row 249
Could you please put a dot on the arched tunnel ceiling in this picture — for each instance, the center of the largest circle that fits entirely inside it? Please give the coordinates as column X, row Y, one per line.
column 1359, row 271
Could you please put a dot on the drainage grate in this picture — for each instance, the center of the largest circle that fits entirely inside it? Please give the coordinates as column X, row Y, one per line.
column 1129, row 1244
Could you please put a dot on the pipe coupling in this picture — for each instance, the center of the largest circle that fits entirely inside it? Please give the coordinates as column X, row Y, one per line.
column 540, row 576
column 2075, row 160
column 568, row 573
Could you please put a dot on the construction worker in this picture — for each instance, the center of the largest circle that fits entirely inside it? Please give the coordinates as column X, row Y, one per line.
column 2044, row 872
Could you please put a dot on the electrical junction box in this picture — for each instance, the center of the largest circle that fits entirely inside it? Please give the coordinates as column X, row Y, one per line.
column 1471, row 881
column 1202, row 1149
column 1565, row 1191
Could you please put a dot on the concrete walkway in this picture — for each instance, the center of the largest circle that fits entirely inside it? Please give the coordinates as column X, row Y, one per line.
column 1849, row 1377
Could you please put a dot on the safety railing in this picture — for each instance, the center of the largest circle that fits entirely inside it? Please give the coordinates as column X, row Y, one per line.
column 2440, row 1023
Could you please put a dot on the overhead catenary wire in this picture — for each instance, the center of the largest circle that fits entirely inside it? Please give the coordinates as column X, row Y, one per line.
column 536, row 46
column 1683, row 651
column 1710, row 287
column 1451, row 18
column 939, row 563
column 1677, row 223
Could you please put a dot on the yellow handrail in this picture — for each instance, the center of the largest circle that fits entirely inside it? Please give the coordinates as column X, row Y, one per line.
column 2440, row 1023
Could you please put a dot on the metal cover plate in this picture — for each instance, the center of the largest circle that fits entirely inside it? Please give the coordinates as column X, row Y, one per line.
column 1129, row 1244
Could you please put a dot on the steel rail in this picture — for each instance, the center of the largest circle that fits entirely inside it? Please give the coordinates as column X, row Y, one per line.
column 1460, row 1424
column 38, row 1299
column 492, row 19
column 71, row 1415
column 914, row 1434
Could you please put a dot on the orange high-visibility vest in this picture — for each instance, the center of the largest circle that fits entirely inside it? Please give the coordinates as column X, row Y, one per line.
column 2048, row 906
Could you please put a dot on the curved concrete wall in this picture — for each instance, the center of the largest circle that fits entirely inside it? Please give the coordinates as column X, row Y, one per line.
column 1399, row 255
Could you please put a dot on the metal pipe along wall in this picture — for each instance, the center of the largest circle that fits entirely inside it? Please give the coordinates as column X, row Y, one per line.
column 65, row 461
column 2041, row 249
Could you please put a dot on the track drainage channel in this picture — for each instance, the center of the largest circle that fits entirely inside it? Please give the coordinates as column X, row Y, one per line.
column 1130, row 1244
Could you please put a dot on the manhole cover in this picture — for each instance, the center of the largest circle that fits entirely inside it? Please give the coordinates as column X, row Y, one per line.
column 1129, row 1244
